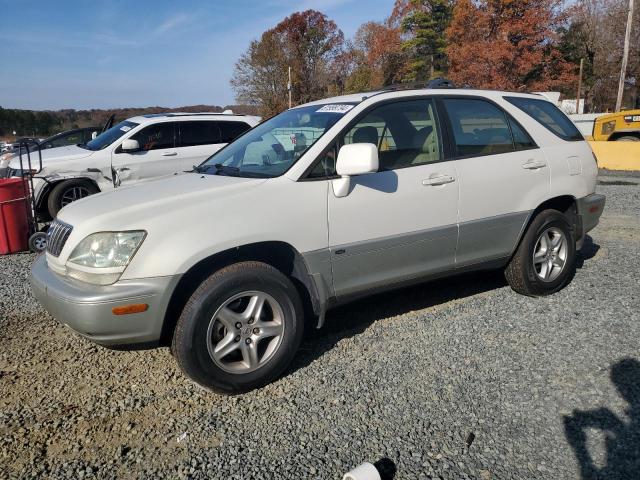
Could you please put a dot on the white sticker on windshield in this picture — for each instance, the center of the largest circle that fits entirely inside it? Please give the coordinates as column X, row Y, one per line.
column 125, row 128
column 335, row 108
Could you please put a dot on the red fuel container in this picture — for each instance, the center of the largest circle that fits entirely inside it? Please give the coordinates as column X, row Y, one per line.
column 14, row 217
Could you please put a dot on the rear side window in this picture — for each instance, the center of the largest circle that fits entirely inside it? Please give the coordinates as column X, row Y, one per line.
column 549, row 116
column 232, row 130
column 199, row 133
column 478, row 127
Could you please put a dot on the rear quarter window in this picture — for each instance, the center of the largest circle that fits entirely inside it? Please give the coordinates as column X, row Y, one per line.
column 549, row 116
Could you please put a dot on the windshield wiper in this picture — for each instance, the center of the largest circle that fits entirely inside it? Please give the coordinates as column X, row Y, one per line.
column 227, row 170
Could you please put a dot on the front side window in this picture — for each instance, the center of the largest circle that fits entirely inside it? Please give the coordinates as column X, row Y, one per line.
column 201, row 132
column 156, row 136
column 272, row 147
column 406, row 134
column 478, row 127
column 107, row 138
column 549, row 116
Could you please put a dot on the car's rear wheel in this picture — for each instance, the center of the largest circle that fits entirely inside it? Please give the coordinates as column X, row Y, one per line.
column 67, row 192
column 240, row 329
column 545, row 259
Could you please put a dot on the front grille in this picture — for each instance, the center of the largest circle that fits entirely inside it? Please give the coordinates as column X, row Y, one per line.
column 57, row 236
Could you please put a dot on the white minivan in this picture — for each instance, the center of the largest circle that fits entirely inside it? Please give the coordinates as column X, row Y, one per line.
column 134, row 150
column 321, row 204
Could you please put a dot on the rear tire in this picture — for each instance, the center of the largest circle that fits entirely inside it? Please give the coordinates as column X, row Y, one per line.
column 226, row 342
column 544, row 262
column 67, row 192
column 628, row 138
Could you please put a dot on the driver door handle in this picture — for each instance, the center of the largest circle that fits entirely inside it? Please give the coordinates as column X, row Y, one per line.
column 438, row 179
column 123, row 169
column 533, row 164
column 169, row 154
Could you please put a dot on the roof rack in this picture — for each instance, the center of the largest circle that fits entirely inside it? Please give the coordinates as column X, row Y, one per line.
column 433, row 83
column 187, row 114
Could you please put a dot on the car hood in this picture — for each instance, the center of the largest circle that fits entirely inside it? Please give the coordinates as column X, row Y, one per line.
column 149, row 204
column 53, row 155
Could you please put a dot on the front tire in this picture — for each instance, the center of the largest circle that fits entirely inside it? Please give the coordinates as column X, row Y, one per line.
column 69, row 191
column 545, row 259
column 240, row 329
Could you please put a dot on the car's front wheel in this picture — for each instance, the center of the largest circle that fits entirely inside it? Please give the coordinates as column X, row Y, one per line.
column 240, row 329
column 69, row 191
column 545, row 259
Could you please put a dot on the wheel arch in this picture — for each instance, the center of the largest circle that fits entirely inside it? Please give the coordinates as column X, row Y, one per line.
column 616, row 135
column 565, row 204
column 47, row 188
column 278, row 254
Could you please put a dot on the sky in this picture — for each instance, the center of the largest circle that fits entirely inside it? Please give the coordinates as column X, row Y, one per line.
column 109, row 54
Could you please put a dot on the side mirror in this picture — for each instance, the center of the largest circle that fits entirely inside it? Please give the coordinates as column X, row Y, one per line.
column 354, row 159
column 130, row 145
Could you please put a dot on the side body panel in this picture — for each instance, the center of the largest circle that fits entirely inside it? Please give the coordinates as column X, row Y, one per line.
column 497, row 194
column 391, row 227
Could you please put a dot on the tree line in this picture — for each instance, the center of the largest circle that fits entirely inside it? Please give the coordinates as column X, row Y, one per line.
column 30, row 123
column 524, row 45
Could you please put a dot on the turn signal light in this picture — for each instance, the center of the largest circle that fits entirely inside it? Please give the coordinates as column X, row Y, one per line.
column 127, row 309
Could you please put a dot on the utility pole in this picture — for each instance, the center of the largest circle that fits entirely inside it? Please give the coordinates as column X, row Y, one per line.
column 625, row 57
column 579, row 87
column 289, row 85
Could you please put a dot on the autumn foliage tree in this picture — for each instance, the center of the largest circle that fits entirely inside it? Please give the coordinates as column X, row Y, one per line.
column 308, row 42
column 507, row 44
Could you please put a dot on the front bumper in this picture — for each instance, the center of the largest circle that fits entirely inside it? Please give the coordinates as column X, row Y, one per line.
column 87, row 309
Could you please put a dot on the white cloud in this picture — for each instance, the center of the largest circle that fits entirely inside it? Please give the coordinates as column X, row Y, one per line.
column 173, row 22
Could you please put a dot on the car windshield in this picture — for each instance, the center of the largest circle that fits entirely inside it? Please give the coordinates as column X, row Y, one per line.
column 107, row 138
column 272, row 147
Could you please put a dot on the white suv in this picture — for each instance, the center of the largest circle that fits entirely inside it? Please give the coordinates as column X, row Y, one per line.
column 321, row 204
column 136, row 149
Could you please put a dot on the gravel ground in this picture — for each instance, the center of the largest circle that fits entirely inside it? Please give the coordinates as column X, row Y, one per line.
column 409, row 378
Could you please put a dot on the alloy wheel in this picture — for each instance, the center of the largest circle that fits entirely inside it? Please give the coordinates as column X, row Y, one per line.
column 550, row 254
column 245, row 332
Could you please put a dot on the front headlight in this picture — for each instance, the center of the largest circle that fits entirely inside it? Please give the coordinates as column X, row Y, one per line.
column 102, row 257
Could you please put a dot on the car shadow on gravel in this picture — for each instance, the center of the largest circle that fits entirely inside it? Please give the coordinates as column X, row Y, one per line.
column 588, row 251
column 622, row 442
column 354, row 318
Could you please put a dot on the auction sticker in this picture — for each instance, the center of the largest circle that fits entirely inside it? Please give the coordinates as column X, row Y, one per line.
column 125, row 128
column 335, row 108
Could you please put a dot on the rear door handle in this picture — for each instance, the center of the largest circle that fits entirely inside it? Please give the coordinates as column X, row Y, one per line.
column 533, row 165
column 123, row 169
column 438, row 179
column 169, row 154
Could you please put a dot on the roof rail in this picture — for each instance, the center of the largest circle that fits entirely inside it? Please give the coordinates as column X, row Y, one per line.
column 433, row 83
column 190, row 114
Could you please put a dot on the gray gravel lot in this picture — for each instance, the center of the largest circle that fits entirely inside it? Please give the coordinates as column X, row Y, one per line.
column 405, row 376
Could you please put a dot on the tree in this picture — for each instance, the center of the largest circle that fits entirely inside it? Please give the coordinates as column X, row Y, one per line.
column 424, row 22
column 507, row 44
column 260, row 75
column 311, row 42
column 377, row 49
column 308, row 42
column 594, row 31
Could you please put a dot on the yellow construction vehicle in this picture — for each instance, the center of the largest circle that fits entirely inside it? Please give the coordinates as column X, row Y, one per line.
column 621, row 126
